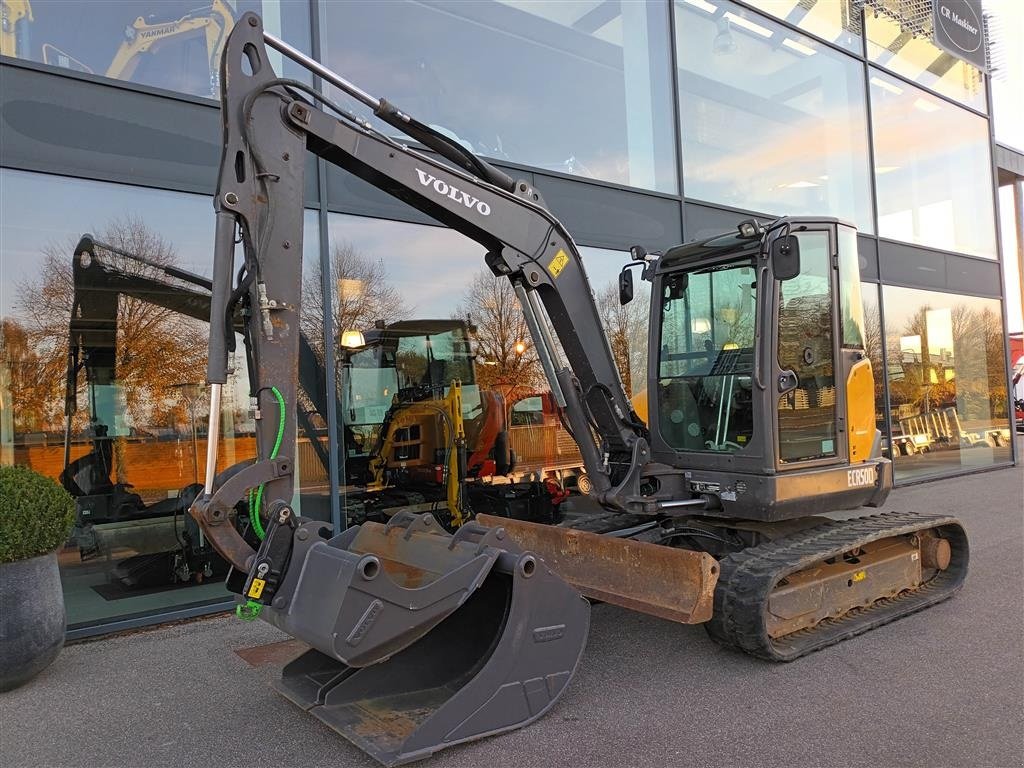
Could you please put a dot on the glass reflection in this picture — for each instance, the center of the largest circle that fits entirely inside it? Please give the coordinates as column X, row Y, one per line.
column 417, row 312
column 1004, row 24
column 579, row 88
column 947, row 381
column 838, row 21
column 173, row 44
column 932, row 170
column 104, row 362
column 900, row 40
column 873, row 346
column 772, row 120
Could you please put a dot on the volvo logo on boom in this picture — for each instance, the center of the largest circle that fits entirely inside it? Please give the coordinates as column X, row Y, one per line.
column 442, row 187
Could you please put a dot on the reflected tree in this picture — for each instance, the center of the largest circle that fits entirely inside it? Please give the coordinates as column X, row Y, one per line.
column 361, row 295
column 626, row 327
column 943, row 363
column 28, row 381
column 873, row 344
column 156, row 348
column 506, row 360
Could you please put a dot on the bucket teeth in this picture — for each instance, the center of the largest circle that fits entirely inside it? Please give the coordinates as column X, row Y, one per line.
column 420, row 639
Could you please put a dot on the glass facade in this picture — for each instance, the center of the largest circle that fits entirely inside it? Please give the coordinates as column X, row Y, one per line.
column 760, row 107
column 1007, row 81
column 771, row 120
column 838, row 21
column 580, row 88
column 1011, row 227
column 933, row 171
column 947, row 381
column 428, row 312
column 873, row 344
column 170, row 44
column 906, row 48
column 106, row 358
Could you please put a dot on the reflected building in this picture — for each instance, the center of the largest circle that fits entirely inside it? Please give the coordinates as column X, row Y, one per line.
column 652, row 122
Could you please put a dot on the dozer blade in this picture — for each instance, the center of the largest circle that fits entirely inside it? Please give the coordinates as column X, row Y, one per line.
column 422, row 639
column 673, row 584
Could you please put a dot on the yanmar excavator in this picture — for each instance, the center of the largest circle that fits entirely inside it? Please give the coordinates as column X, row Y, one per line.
column 144, row 36
column 761, row 419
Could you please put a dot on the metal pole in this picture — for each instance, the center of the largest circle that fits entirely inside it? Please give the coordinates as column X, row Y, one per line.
column 541, row 313
column 319, row 69
column 540, row 344
column 195, row 440
column 212, row 438
column 1018, row 223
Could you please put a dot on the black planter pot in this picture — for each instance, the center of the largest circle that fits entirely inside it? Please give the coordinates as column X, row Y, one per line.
column 32, row 618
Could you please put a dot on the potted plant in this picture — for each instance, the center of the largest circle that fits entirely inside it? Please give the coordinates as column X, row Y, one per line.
column 36, row 515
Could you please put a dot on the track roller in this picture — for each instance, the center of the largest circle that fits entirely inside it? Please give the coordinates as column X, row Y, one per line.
column 797, row 594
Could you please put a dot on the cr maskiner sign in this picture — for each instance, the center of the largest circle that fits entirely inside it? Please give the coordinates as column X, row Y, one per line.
column 959, row 30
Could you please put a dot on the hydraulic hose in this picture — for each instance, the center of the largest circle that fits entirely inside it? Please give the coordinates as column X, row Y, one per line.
column 254, row 503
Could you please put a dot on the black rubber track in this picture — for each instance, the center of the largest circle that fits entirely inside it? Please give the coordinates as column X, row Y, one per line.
column 748, row 577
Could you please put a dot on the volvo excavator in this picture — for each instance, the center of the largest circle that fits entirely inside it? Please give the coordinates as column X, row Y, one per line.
column 760, row 422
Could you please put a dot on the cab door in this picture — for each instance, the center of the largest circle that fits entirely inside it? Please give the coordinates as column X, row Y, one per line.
column 807, row 351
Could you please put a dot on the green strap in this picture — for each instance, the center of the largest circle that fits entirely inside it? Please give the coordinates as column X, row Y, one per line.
column 254, row 503
column 250, row 611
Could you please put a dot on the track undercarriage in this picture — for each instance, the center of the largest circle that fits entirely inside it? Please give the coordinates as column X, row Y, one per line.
column 776, row 591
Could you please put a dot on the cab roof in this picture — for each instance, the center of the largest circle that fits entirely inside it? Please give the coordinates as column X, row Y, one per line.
column 732, row 243
column 718, row 246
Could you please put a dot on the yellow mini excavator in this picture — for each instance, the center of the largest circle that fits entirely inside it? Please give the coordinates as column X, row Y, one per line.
column 144, row 36
column 760, row 423
column 403, row 406
column 15, row 18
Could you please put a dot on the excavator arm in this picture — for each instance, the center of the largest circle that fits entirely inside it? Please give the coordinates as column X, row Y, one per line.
column 268, row 126
column 419, row 639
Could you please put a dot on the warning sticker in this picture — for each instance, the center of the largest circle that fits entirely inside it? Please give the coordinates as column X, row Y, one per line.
column 257, row 588
column 558, row 263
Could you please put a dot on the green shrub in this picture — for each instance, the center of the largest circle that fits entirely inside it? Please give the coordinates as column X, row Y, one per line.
column 36, row 514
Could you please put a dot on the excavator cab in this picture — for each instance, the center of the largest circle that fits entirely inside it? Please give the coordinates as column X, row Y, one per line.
column 416, row 425
column 400, row 363
column 759, row 365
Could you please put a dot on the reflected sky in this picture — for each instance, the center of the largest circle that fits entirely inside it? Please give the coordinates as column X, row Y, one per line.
column 1014, row 313
column 431, row 266
column 39, row 211
column 902, row 305
column 588, row 94
column 932, row 170
column 772, row 120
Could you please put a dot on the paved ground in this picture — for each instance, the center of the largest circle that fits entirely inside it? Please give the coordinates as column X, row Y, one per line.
column 940, row 688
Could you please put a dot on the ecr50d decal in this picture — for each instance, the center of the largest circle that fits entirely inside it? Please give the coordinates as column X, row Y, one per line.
column 857, row 478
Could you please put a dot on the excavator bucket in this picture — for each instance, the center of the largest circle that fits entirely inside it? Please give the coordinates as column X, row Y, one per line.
column 422, row 639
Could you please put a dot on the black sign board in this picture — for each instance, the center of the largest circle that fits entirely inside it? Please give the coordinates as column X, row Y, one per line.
column 960, row 31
